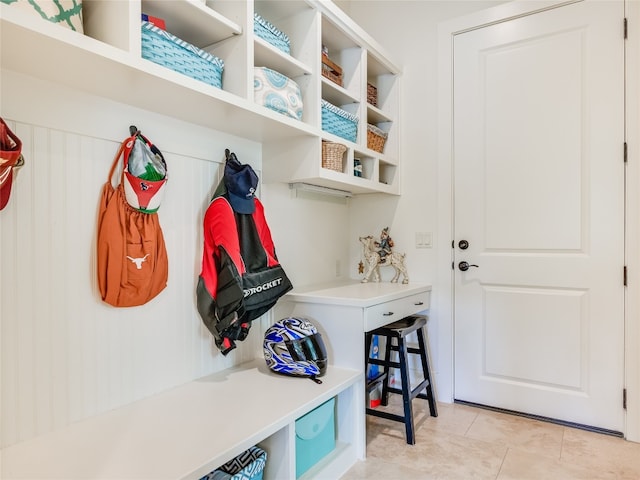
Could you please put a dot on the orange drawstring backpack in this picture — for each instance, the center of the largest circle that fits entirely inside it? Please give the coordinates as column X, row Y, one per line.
column 133, row 266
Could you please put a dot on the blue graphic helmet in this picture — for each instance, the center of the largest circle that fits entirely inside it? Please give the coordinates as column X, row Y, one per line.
column 293, row 346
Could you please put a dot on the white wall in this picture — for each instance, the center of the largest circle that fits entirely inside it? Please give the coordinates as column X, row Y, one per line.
column 409, row 32
column 65, row 355
column 310, row 231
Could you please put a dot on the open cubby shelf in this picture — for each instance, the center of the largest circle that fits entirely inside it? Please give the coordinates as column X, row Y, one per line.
column 106, row 61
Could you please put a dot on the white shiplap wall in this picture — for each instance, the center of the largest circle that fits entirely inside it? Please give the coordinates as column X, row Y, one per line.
column 65, row 354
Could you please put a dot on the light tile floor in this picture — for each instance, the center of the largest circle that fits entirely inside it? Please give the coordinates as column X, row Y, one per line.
column 467, row 443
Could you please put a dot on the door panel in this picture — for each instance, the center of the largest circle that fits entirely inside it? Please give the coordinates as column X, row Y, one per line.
column 538, row 184
column 517, row 164
column 517, row 328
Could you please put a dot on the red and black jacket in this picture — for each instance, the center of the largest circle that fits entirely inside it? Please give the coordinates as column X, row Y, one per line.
column 241, row 278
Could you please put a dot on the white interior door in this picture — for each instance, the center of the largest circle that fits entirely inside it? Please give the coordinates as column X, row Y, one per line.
column 539, row 197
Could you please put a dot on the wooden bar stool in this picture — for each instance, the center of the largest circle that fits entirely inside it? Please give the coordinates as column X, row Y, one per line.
column 398, row 331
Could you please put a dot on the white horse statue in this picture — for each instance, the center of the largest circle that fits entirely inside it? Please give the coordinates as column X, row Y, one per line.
column 374, row 261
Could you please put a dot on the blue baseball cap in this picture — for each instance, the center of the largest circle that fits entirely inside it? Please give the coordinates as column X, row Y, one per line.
column 241, row 182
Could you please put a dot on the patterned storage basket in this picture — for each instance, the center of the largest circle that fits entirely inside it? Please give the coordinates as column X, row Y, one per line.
column 337, row 121
column 332, row 155
column 249, row 465
column 67, row 13
column 376, row 138
column 277, row 92
column 167, row 50
column 270, row 34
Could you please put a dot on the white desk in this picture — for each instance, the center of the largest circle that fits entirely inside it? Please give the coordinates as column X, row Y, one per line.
column 343, row 313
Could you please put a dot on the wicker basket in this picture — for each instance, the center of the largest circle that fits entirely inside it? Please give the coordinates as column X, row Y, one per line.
column 332, row 154
column 376, row 138
column 331, row 70
column 331, row 75
column 372, row 95
column 163, row 48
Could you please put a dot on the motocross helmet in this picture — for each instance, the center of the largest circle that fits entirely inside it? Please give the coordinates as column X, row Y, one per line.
column 293, row 346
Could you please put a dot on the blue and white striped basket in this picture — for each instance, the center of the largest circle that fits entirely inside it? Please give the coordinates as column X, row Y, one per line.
column 167, row 50
column 269, row 33
column 339, row 122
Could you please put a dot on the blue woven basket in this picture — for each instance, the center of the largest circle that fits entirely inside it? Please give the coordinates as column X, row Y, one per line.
column 337, row 121
column 270, row 34
column 167, row 50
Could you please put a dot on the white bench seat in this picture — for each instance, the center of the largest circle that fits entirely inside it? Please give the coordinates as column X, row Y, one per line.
column 188, row 431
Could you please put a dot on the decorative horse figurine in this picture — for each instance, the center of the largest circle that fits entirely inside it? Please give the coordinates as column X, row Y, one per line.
column 374, row 262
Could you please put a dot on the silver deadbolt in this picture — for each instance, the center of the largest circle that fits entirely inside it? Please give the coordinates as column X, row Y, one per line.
column 464, row 266
column 463, row 244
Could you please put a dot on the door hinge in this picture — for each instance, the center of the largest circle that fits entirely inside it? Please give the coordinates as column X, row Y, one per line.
column 624, row 279
column 626, row 152
column 626, row 29
column 624, row 398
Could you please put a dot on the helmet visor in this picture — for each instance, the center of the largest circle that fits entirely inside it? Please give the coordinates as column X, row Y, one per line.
column 309, row 348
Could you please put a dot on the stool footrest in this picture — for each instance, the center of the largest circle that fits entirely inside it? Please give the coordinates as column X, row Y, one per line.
column 423, row 384
column 387, row 415
column 415, row 392
column 414, row 350
column 382, row 363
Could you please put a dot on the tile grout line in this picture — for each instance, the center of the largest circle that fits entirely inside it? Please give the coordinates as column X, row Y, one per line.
column 471, row 424
column 502, row 463
column 564, row 431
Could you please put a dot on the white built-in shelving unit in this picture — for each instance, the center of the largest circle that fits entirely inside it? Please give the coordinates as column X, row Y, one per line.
column 106, row 61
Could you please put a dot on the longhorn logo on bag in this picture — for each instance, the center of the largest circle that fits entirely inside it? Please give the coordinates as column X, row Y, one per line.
column 138, row 261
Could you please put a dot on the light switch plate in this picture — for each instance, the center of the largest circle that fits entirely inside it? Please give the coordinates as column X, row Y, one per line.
column 424, row 240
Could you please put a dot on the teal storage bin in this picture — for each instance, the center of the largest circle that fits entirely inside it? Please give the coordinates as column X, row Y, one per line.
column 268, row 32
column 338, row 121
column 163, row 48
column 315, row 436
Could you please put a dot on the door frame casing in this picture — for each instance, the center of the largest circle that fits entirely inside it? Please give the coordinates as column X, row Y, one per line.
column 442, row 307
